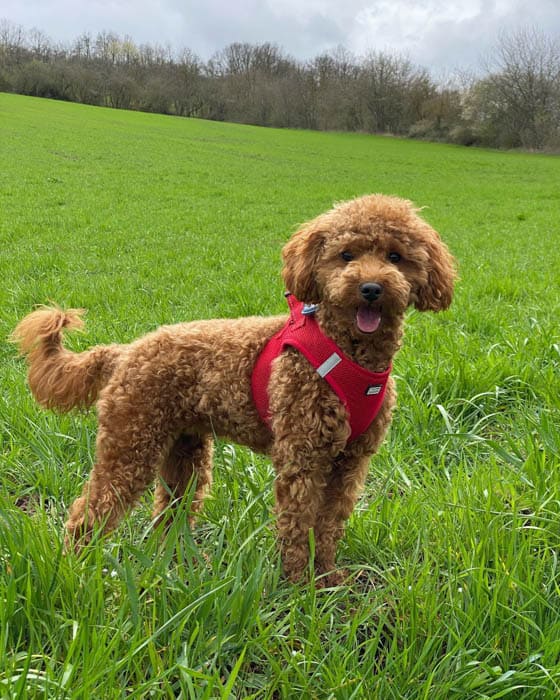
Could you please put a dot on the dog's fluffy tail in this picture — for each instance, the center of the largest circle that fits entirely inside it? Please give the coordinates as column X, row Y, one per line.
column 58, row 378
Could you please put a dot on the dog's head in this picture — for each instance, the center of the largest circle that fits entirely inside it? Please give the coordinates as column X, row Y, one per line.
column 370, row 257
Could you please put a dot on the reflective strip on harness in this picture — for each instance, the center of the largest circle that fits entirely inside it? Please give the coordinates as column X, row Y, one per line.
column 329, row 364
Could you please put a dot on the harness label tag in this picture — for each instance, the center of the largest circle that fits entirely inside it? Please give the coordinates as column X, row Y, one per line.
column 374, row 390
column 329, row 364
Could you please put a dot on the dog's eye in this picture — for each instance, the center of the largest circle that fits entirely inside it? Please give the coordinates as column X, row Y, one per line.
column 394, row 257
column 347, row 256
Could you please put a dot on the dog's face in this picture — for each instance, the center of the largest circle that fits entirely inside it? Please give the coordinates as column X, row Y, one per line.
column 371, row 258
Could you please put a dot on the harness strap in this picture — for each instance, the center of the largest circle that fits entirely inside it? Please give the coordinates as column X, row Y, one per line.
column 361, row 391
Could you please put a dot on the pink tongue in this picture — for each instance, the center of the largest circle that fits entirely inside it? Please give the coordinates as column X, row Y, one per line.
column 368, row 319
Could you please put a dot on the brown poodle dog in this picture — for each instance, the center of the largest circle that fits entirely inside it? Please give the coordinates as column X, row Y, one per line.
column 161, row 399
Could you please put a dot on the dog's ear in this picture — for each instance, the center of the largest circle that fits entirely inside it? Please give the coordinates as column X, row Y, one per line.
column 437, row 293
column 300, row 255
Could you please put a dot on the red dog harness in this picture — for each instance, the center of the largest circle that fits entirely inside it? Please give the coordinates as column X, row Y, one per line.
column 361, row 391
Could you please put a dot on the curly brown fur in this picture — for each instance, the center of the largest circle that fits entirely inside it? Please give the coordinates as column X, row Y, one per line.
column 162, row 398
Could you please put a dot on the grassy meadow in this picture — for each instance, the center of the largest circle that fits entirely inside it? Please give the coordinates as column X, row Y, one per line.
column 453, row 548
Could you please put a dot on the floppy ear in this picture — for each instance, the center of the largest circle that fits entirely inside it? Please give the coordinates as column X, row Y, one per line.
column 437, row 293
column 301, row 254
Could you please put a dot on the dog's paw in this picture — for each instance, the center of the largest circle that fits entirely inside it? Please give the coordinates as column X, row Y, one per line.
column 332, row 579
column 79, row 526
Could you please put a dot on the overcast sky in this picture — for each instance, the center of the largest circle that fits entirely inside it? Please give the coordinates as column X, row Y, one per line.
column 441, row 35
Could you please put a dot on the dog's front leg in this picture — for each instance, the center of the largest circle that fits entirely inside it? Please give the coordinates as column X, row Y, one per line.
column 344, row 485
column 299, row 492
column 310, row 428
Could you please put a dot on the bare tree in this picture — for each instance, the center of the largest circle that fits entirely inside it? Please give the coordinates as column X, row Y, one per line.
column 82, row 48
column 187, row 79
column 336, row 75
column 40, row 45
column 518, row 103
column 392, row 91
column 12, row 42
column 249, row 79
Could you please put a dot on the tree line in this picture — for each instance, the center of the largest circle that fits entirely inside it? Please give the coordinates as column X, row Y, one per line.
column 514, row 104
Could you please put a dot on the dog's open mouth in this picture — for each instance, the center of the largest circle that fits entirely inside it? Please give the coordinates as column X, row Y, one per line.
column 368, row 319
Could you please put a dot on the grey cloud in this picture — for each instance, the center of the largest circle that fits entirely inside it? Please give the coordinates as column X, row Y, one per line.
column 439, row 34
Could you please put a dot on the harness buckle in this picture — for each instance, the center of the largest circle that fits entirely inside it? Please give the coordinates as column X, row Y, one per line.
column 309, row 309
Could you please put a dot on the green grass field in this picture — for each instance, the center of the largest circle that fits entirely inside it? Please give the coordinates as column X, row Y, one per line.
column 145, row 219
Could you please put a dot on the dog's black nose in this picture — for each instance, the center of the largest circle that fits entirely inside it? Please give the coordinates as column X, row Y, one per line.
column 371, row 291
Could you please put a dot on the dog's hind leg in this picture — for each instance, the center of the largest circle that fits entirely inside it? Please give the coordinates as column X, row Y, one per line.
column 190, row 459
column 132, row 444
column 117, row 481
